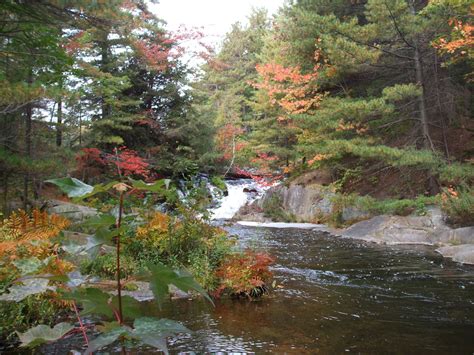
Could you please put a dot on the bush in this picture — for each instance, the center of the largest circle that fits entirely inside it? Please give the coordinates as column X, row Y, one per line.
column 105, row 266
column 244, row 275
column 20, row 316
column 458, row 205
column 185, row 241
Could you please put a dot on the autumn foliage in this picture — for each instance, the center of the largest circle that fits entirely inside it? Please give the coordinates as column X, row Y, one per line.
column 31, row 232
column 122, row 161
column 245, row 275
column 288, row 88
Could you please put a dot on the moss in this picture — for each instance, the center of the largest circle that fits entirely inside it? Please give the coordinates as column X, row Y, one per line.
column 219, row 183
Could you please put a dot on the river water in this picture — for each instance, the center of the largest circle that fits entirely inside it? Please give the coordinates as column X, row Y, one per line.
column 337, row 295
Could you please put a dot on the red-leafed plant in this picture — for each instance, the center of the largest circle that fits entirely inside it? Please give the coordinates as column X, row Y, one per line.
column 245, row 275
column 129, row 163
column 123, row 162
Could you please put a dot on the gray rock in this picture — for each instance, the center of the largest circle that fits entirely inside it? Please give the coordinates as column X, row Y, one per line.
column 353, row 214
column 463, row 253
column 464, row 235
column 76, row 213
column 397, row 230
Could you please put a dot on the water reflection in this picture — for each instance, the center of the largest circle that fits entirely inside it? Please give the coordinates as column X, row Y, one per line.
column 337, row 295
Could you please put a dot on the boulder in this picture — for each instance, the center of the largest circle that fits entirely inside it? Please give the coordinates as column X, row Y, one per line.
column 72, row 211
column 428, row 230
column 463, row 253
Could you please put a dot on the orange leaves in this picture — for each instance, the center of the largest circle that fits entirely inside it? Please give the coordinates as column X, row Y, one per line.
column 20, row 229
column 462, row 39
column 227, row 140
column 244, row 274
column 318, row 157
column 288, row 87
column 360, row 128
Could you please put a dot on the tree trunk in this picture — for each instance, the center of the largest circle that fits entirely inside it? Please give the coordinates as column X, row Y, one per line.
column 28, row 129
column 59, row 128
column 104, row 59
column 424, row 118
column 5, row 194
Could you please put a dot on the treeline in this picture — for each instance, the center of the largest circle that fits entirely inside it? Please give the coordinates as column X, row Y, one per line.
column 375, row 94
column 99, row 75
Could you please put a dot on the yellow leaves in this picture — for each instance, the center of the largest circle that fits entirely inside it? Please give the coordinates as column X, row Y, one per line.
column 156, row 229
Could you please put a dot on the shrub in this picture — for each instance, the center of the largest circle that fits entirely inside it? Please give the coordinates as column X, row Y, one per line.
column 244, row 274
column 219, row 183
column 185, row 241
column 105, row 266
column 458, row 205
column 21, row 228
column 19, row 316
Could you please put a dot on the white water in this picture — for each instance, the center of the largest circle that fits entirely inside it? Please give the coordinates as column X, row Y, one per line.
column 320, row 227
column 236, row 198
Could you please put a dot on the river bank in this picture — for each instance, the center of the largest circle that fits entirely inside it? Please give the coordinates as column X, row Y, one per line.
column 303, row 205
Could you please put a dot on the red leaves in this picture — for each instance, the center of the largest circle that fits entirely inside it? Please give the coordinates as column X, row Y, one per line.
column 156, row 52
column 129, row 163
column 123, row 160
column 75, row 43
column 90, row 157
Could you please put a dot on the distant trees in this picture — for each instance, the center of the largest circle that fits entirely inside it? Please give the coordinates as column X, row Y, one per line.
column 380, row 87
column 85, row 73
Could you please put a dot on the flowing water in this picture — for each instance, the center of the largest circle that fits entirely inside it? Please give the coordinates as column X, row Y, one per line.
column 334, row 296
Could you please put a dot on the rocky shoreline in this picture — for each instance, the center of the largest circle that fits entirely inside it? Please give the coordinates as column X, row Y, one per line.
column 303, row 203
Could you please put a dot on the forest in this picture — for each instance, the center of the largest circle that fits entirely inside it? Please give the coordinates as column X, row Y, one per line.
column 139, row 130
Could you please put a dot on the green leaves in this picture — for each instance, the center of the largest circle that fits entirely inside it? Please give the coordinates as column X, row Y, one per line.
column 153, row 331
column 93, row 301
column 34, row 286
column 107, row 338
column 72, row 186
column 98, row 302
column 156, row 187
column 146, row 330
column 104, row 220
column 163, row 276
column 78, row 189
column 44, row 334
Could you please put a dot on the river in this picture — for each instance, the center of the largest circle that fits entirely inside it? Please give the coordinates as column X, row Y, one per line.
column 334, row 296
column 337, row 295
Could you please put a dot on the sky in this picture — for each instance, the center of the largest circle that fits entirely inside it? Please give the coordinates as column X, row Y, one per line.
column 215, row 16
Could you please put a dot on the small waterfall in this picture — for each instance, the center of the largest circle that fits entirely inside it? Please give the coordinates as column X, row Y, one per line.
column 239, row 193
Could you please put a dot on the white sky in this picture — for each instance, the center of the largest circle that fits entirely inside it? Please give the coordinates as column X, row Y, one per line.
column 216, row 16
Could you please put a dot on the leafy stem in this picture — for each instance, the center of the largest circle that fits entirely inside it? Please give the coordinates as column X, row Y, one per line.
column 119, row 286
